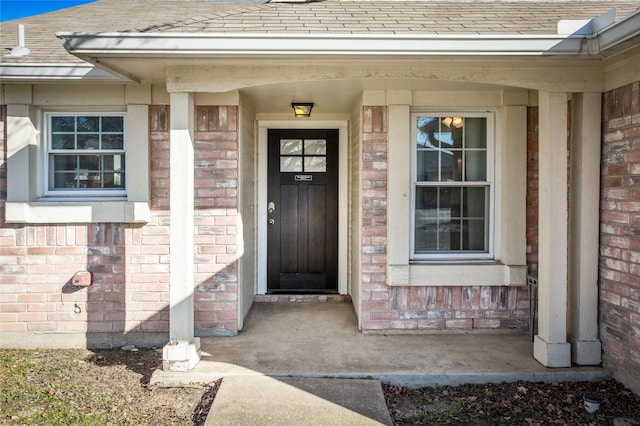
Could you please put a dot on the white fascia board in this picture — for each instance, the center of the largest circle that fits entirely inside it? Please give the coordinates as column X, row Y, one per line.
column 212, row 45
column 55, row 71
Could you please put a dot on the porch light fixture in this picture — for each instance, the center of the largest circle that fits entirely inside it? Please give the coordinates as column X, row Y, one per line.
column 456, row 121
column 302, row 109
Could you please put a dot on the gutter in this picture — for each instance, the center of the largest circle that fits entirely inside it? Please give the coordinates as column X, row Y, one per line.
column 613, row 36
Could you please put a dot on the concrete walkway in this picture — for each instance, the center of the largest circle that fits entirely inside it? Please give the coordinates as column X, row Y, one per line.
column 277, row 370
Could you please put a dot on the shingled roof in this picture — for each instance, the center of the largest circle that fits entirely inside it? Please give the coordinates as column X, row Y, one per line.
column 321, row 17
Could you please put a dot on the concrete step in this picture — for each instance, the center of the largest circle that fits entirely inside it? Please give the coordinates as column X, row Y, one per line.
column 263, row 400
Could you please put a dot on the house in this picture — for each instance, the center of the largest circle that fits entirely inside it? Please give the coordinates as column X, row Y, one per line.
column 155, row 182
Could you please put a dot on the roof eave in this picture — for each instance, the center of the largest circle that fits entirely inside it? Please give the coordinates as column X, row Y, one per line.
column 244, row 45
column 24, row 72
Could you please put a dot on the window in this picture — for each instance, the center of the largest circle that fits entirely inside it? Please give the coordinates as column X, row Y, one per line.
column 451, row 176
column 86, row 154
column 308, row 155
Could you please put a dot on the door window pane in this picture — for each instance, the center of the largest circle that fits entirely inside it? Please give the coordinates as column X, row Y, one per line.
column 291, row 147
column 290, row 164
column 315, row 147
column 315, row 164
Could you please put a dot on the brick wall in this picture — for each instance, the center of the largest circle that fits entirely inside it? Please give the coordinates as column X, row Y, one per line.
column 128, row 301
column 216, row 204
column 417, row 308
column 620, row 233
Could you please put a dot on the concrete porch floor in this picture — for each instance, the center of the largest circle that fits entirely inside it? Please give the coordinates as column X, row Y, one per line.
column 322, row 340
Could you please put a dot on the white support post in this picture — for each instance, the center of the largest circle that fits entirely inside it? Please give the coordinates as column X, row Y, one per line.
column 550, row 346
column 182, row 352
column 584, row 229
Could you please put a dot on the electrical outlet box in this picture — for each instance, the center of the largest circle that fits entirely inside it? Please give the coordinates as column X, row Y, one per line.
column 82, row 279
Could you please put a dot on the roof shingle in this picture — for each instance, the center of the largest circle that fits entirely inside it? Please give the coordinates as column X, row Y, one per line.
column 330, row 16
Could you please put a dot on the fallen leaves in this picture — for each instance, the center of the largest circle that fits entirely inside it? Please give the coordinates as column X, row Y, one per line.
column 511, row 403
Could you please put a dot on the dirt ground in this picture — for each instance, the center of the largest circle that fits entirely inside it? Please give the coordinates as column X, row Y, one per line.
column 111, row 387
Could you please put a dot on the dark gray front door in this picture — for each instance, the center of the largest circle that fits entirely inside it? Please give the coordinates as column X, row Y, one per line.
column 302, row 211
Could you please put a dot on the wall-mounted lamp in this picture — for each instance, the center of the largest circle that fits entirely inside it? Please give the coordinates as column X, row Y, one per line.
column 457, row 122
column 302, row 109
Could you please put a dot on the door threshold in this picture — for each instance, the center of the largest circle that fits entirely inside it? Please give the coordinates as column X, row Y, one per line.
column 297, row 298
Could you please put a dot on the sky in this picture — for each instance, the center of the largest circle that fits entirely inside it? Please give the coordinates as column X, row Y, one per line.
column 14, row 9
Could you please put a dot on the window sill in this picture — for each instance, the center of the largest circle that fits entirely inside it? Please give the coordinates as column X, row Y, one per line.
column 78, row 212
column 468, row 273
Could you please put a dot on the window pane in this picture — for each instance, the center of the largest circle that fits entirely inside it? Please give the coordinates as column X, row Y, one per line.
column 426, row 126
column 454, row 136
column 291, row 146
column 290, row 164
column 64, row 162
column 88, row 141
column 474, row 235
column 89, row 162
column 315, row 147
column 63, row 124
column 451, row 166
column 450, row 219
column 449, row 234
column 64, row 180
column 112, row 124
column 474, row 202
column 426, row 219
column 112, row 141
column 427, row 166
column 475, row 132
column 88, row 124
column 113, row 162
column 113, row 180
column 476, row 166
column 62, row 141
column 315, row 164
column 450, row 201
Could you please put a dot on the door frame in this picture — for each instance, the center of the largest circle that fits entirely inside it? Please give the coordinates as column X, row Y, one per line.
column 343, row 152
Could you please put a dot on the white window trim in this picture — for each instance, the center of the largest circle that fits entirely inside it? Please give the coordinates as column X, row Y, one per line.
column 490, row 182
column 76, row 195
column 509, row 266
column 26, row 184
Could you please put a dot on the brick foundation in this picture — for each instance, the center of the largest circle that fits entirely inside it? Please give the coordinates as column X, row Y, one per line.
column 620, row 233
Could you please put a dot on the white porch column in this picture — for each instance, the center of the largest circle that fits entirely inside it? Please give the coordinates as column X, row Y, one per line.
column 550, row 345
column 182, row 352
column 584, row 229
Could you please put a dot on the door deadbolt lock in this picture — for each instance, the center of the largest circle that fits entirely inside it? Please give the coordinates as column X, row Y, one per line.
column 271, row 207
column 271, row 221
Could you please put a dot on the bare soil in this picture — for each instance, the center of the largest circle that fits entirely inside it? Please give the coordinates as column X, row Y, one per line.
column 112, row 387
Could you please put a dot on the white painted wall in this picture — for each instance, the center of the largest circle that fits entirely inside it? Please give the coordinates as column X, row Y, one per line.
column 355, row 211
column 247, row 187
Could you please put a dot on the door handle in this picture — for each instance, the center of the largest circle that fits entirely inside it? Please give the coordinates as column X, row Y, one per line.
column 271, row 207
